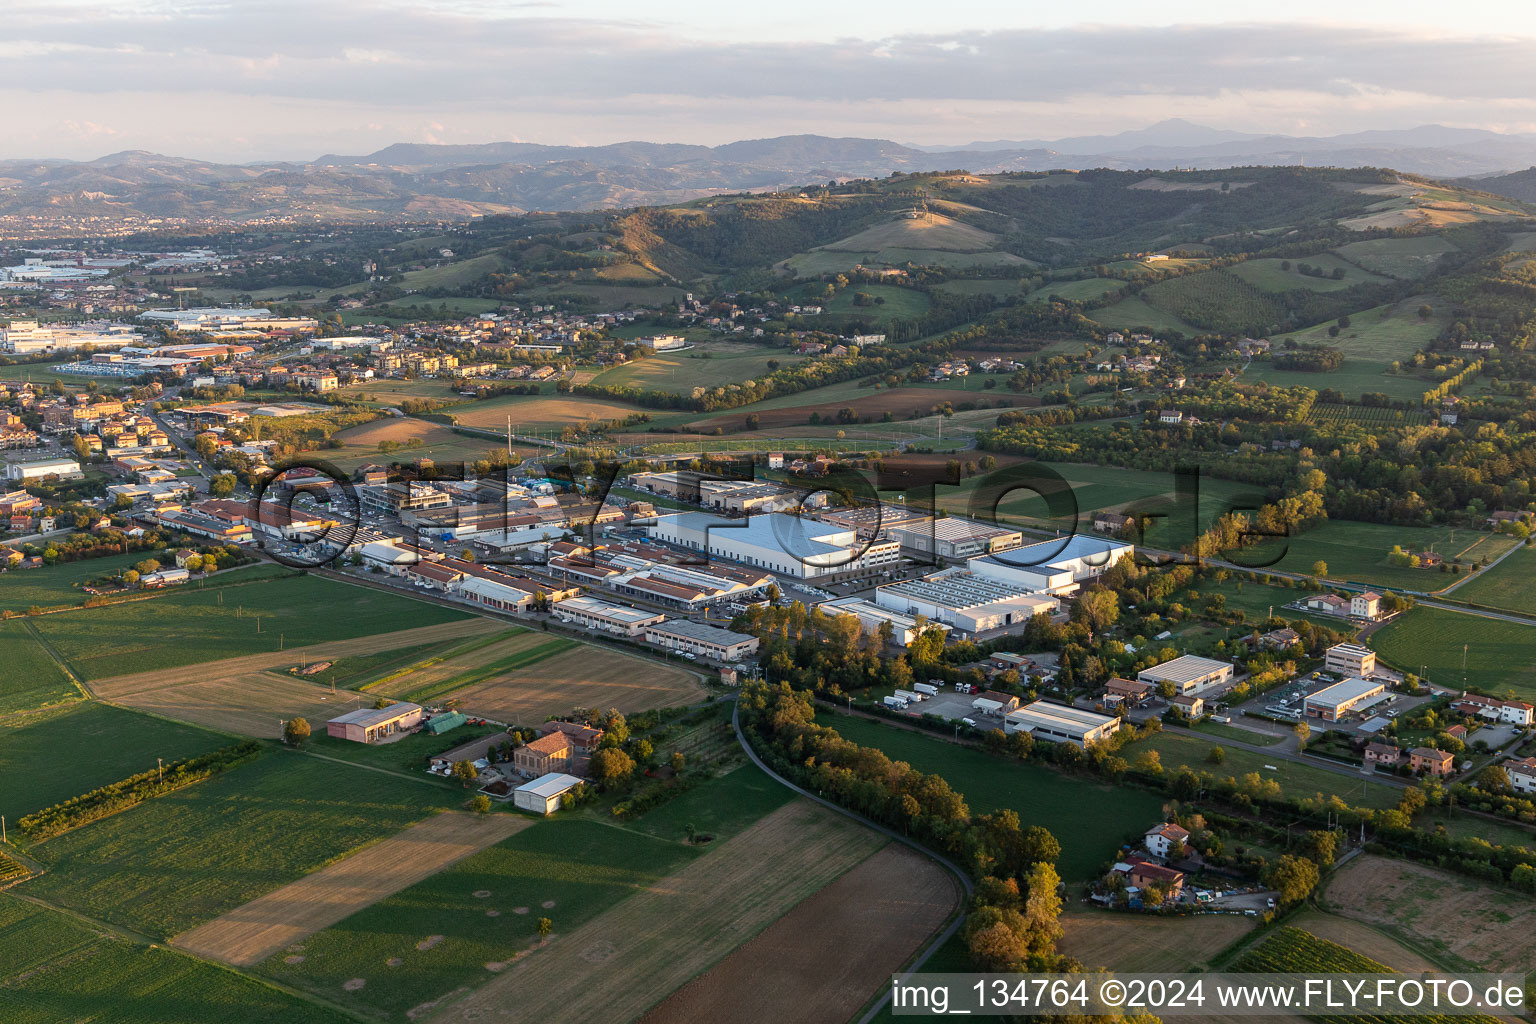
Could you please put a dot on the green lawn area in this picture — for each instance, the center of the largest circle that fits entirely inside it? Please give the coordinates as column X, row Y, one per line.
column 1464, row 826
column 408, row 754
column 1499, row 655
column 59, row 585
column 566, row 869
column 179, row 860
column 1134, row 312
column 720, row 807
column 710, row 364
column 1039, row 795
column 31, row 678
column 104, row 744
column 900, row 303
column 1078, row 291
column 193, row 625
column 361, row 671
column 1295, row 778
column 1510, row 585
column 1002, row 287
column 1408, row 257
column 452, row 275
column 1354, row 378
column 1221, row 731
column 1266, row 274
column 1255, row 600
column 1358, row 552
column 54, row 968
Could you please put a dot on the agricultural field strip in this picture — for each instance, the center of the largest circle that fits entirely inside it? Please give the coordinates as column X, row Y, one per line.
column 547, row 648
column 249, row 934
column 630, row 958
column 796, row 968
column 456, row 651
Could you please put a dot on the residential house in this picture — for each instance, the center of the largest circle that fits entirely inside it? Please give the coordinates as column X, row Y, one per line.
column 1522, row 774
column 1429, row 761
column 551, row 752
column 1378, row 754
column 1188, row 703
column 1166, row 841
column 1143, row 873
column 1515, row 712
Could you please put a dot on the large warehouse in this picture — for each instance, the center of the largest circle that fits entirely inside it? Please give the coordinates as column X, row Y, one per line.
column 1188, row 674
column 1060, row 723
column 701, row 639
column 1334, row 702
column 780, row 543
column 1057, row 566
column 954, row 538
column 965, row 601
column 619, row 619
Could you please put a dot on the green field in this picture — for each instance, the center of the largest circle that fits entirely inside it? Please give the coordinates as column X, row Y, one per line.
column 1002, row 287
column 1134, row 312
column 1039, row 795
column 720, row 807
column 1267, row 275
column 1355, row 378
column 581, row 866
column 1510, row 585
column 452, row 275
column 1217, row 300
column 179, row 860
column 899, row 303
column 1500, row 833
column 1374, row 339
column 1077, row 291
column 193, row 626
column 104, row 744
column 1358, row 552
column 32, row 679
column 54, row 968
column 1296, row 779
column 1408, row 257
column 473, row 677
column 710, row 364
column 1500, row 655
column 59, row 585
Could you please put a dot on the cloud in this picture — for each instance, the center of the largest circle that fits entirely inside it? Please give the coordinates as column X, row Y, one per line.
column 538, row 73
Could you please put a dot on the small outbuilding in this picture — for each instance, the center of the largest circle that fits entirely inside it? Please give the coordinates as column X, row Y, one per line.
column 542, row 795
column 371, row 725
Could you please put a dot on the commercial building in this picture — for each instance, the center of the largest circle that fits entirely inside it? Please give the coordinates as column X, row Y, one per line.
column 904, row 628
column 41, row 469
column 789, row 545
column 542, row 795
column 369, row 725
column 27, row 336
column 1057, row 566
column 1332, row 703
column 618, row 619
column 1060, row 723
column 1188, row 674
column 1350, row 660
column 870, row 521
column 212, row 319
column 702, row 640
column 965, row 601
column 954, row 538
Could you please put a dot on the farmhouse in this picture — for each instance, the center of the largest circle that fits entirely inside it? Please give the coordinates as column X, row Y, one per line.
column 1060, row 723
column 1142, row 873
column 1522, row 774
column 371, row 725
column 1516, row 712
column 583, row 738
column 550, row 752
column 1190, row 704
column 697, row 638
column 1430, row 761
column 618, row 619
column 542, row 795
column 1166, row 840
column 965, row 600
column 1332, row 703
column 1188, row 674
column 1326, row 604
column 1350, row 660
column 1111, row 522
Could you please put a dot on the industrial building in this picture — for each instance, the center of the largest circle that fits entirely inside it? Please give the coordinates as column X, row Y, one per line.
column 1057, row 566
column 780, row 543
column 1060, row 723
column 1350, row 660
column 27, row 336
column 904, row 627
column 369, row 725
column 965, row 601
column 954, row 538
column 702, row 640
column 1332, row 703
column 870, row 521
column 618, row 619
column 1188, row 674
column 41, row 469
column 542, row 795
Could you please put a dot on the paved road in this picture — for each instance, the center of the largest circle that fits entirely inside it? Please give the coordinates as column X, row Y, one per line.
column 965, row 882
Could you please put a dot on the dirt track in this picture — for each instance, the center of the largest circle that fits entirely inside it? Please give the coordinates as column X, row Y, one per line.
column 251, row 933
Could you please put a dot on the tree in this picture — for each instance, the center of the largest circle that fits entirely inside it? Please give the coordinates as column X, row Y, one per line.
column 1216, row 755
column 612, row 767
column 465, row 772
column 1293, row 877
column 222, row 486
column 1319, row 568
column 130, row 577
column 1493, row 779
column 1321, row 846
column 545, row 927
column 481, row 804
column 195, row 563
column 678, row 761
column 1040, row 847
column 1303, row 733
column 296, row 732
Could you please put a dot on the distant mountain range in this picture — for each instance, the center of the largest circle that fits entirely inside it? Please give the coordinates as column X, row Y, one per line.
column 415, row 181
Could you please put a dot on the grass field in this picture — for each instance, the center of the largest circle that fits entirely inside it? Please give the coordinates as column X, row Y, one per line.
column 539, row 412
column 452, row 275
column 183, row 859
column 1463, row 825
column 54, row 968
column 1358, row 551
column 892, row 303
column 934, row 231
column 1134, row 312
column 1295, row 778
column 720, row 807
column 1143, row 943
column 1077, row 291
column 1002, row 287
column 567, row 869
column 59, row 585
column 1267, row 275
column 438, row 442
column 32, row 678
column 1499, row 655
column 105, row 744
column 710, row 364
column 1039, row 795
column 1510, row 585
column 293, row 611
column 623, row 962
column 1374, row 339
column 1409, row 257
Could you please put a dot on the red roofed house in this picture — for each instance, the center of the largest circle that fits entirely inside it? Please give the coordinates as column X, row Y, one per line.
column 1167, row 841
column 546, row 754
column 1144, row 873
column 1431, row 761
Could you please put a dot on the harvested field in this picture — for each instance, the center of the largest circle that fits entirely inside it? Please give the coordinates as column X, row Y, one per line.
column 1461, row 921
column 250, row 934
column 1365, row 940
column 1142, row 943
column 520, row 649
column 797, row 969
column 586, row 676
column 629, row 959
column 538, row 412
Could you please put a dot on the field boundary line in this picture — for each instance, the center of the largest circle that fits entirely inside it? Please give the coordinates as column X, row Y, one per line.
column 434, row 783
column 58, row 659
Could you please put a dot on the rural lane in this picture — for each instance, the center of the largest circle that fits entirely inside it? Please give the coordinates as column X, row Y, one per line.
column 966, row 887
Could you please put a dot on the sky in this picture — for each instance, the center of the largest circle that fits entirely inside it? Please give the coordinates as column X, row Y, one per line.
column 252, row 80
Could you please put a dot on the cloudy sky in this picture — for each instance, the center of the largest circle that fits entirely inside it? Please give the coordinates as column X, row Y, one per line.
column 292, row 79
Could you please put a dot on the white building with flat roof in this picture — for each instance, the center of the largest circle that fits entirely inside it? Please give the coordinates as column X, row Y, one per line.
column 965, row 601
column 542, row 795
column 1350, row 659
column 1188, row 674
column 784, row 544
column 618, row 619
column 954, row 538
column 41, row 469
column 1060, row 723
column 1334, row 702
column 1056, row 566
